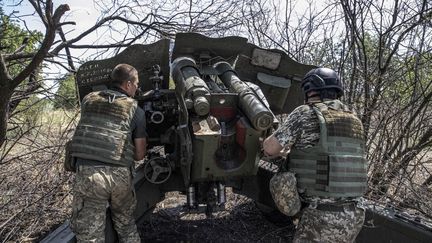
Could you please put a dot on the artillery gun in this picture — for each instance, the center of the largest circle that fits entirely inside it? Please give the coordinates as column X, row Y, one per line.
column 207, row 111
column 205, row 132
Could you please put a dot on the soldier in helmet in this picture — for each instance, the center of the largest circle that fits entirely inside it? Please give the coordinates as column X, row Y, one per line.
column 324, row 144
column 110, row 135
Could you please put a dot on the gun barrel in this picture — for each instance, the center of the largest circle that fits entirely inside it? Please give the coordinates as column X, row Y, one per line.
column 259, row 114
column 186, row 74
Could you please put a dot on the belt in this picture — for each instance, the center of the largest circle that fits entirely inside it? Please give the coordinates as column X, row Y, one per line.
column 336, row 208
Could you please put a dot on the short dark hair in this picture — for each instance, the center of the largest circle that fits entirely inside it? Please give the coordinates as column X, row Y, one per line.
column 122, row 73
column 329, row 94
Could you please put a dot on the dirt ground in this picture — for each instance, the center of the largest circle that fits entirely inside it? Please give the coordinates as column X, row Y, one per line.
column 242, row 221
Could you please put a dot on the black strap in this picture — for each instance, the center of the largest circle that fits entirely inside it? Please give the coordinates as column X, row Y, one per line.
column 336, row 207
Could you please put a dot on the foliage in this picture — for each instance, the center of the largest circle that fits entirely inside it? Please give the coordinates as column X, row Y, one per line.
column 66, row 95
column 12, row 37
column 19, row 68
column 28, row 116
column 24, row 107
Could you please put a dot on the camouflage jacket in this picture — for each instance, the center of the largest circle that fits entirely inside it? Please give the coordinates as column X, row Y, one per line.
column 301, row 130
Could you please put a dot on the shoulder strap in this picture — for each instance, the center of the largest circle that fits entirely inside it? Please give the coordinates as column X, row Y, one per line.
column 318, row 109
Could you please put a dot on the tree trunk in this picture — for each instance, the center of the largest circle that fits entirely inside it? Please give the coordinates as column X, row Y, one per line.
column 5, row 96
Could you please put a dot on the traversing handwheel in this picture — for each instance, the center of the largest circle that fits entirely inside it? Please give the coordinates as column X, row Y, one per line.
column 157, row 170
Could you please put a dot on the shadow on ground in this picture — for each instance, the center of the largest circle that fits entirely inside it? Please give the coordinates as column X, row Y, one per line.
column 242, row 221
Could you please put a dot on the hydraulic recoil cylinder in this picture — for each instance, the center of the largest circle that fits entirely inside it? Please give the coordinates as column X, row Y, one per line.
column 259, row 115
column 196, row 90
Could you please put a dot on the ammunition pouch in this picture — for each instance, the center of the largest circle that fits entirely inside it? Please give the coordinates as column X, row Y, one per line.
column 69, row 162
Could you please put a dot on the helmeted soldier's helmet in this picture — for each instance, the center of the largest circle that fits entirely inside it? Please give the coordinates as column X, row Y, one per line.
column 320, row 79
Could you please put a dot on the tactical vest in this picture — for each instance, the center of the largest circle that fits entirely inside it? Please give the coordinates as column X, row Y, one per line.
column 104, row 130
column 336, row 166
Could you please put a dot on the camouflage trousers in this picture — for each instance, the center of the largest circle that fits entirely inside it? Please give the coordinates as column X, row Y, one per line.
column 315, row 225
column 327, row 226
column 95, row 188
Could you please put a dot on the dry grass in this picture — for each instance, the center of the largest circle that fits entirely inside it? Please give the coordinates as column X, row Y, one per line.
column 35, row 196
column 34, row 189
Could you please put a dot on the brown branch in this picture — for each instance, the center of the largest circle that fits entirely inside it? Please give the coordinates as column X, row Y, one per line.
column 68, row 54
column 99, row 24
column 405, row 157
column 38, row 9
column 18, row 55
column 399, row 40
column 396, row 144
column 46, row 45
column 31, row 87
column 5, row 77
column 23, row 45
column 428, row 181
column 48, row 12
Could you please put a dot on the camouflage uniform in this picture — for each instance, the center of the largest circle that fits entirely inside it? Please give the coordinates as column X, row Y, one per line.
column 301, row 130
column 96, row 187
column 287, row 200
column 103, row 148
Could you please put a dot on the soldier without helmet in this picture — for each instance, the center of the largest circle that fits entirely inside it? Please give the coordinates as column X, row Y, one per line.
column 110, row 135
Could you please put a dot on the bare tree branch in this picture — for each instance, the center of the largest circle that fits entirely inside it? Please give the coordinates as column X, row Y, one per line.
column 46, row 44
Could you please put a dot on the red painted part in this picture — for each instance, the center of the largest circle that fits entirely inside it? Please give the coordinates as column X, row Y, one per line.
column 223, row 113
column 240, row 133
